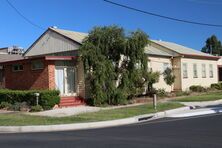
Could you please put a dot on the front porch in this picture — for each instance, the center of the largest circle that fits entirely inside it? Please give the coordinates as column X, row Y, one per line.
column 69, row 80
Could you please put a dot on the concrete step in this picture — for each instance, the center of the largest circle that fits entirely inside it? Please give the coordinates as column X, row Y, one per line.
column 69, row 101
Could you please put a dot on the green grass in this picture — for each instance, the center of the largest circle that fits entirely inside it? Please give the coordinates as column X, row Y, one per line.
column 210, row 96
column 15, row 119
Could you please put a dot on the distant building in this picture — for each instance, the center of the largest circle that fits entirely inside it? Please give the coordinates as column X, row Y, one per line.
column 9, row 54
column 12, row 50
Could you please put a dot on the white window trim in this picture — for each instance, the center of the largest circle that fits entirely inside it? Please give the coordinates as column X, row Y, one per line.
column 211, row 70
column 185, row 70
column 195, row 70
column 203, row 68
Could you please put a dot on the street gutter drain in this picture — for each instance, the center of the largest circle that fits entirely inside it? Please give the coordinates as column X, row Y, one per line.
column 145, row 118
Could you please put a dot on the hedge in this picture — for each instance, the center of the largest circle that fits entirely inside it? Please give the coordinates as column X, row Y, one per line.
column 217, row 86
column 47, row 98
column 197, row 88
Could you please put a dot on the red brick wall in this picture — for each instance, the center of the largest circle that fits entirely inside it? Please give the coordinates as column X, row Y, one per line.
column 28, row 78
column 51, row 74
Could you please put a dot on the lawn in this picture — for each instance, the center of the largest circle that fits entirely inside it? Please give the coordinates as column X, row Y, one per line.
column 13, row 119
column 210, row 96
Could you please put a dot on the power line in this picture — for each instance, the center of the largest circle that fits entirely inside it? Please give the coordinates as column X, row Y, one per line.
column 162, row 16
column 21, row 15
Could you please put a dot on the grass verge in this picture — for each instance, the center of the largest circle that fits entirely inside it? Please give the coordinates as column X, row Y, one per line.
column 19, row 119
column 210, row 96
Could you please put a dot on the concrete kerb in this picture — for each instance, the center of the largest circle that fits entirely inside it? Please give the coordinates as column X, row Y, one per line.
column 90, row 125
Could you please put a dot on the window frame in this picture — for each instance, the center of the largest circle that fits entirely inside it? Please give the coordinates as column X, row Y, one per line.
column 35, row 61
column 195, row 75
column 185, row 70
column 211, row 70
column 166, row 65
column 203, row 69
column 19, row 67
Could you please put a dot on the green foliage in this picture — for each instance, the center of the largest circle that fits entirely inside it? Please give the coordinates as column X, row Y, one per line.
column 168, row 76
column 161, row 93
column 36, row 108
column 197, row 88
column 15, row 107
column 114, row 63
column 152, row 77
column 47, row 98
column 5, row 105
column 182, row 93
column 217, row 86
column 212, row 46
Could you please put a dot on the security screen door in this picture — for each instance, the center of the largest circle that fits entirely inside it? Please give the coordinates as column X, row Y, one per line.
column 65, row 80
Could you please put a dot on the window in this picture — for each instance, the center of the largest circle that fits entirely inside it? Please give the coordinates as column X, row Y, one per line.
column 211, row 73
column 1, row 76
column 35, row 65
column 17, row 67
column 185, row 75
column 203, row 71
column 165, row 66
column 195, row 75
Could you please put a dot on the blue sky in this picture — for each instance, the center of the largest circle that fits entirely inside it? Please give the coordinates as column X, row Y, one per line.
column 82, row 15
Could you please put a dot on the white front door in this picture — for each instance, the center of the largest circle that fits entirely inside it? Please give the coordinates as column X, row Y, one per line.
column 65, row 80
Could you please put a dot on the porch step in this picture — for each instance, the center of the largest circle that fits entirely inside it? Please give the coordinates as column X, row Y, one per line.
column 71, row 101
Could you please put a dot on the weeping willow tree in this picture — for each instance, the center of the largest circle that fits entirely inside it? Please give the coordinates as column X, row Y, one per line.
column 115, row 64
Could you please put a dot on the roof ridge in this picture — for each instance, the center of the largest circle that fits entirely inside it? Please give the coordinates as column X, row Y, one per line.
column 197, row 52
column 58, row 29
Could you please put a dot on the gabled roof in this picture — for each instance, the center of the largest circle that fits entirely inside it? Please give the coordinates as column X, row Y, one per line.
column 172, row 49
column 184, row 51
column 151, row 50
column 10, row 57
column 75, row 36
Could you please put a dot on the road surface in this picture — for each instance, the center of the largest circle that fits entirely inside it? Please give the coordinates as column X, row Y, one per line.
column 196, row 132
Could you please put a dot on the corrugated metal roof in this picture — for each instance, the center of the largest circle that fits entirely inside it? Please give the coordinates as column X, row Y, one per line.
column 76, row 36
column 150, row 50
column 181, row 49
column 10, row 57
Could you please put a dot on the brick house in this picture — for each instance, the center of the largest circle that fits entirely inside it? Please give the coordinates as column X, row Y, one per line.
column 51, row 62
column 8, row 54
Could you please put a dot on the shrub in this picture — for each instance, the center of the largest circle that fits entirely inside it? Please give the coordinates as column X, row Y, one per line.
column 5, row 105
column 15, row 107
column 47, row 98
column 119, row 98
column 161, row 93
column 197, row 88
column 24, row 106
column 168, row 76
column 182, row 93
column 217, row 86
column 36, row 108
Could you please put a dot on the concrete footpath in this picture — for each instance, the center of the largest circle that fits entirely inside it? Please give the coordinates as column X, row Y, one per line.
column 203, row 103
column 192, row 110
column 196, row 112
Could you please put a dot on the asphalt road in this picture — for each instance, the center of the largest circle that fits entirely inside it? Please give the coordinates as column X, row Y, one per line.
column 198, row 132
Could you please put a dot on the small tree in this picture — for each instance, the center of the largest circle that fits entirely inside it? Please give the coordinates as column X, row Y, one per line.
column 115, row 63
column 168, row 76
column 152, row 77
column 212, row 46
